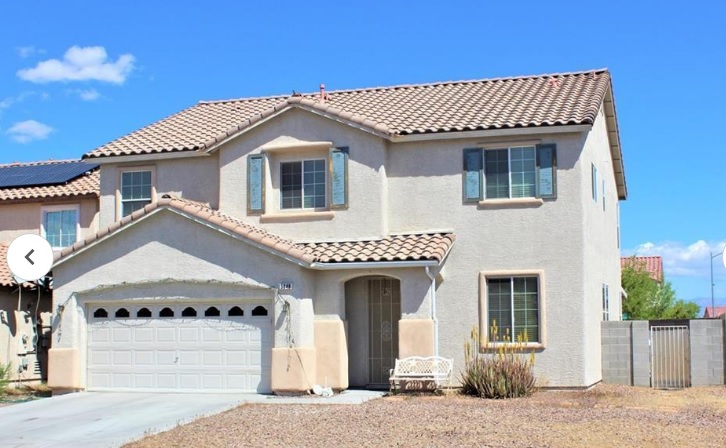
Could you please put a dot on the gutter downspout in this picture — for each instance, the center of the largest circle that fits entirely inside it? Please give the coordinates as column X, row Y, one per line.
column 431, row 276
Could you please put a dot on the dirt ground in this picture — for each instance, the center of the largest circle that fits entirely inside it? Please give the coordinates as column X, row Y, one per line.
column 605, row 416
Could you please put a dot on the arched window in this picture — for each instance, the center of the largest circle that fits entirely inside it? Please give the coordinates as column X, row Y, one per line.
column 122, row 312
column 100, row 313
column 259, row 311
column 166, row 312
column 211, row 312
column 189, row 312
column 235, row 311
column 143, row 312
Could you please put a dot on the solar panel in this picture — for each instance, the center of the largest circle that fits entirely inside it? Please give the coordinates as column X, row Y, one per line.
column 35, row 175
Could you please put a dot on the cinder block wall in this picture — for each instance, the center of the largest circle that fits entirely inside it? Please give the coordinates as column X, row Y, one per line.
column 617, row 365
column 707, row 352
column 626, row 352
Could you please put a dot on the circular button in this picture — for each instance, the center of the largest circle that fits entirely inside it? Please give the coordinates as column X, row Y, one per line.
column 30, row 257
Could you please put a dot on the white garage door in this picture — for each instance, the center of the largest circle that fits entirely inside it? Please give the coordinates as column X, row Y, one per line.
column 180, row 347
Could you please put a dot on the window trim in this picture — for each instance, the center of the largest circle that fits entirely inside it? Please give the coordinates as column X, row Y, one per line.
column 132, row 169
column 302, row 185
column 535, row 200
column 593, row 174
column 57, row 208
column 484, row 309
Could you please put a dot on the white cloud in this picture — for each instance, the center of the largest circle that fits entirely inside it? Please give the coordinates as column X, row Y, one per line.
column 6, row 103
column 89, row 95
column 81, row 64
column 28, row 131
column 685, row 260
column 26, row 52
column 85, row 94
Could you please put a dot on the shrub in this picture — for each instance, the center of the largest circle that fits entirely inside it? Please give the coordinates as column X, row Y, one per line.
column 4, row 377
column 503, row 371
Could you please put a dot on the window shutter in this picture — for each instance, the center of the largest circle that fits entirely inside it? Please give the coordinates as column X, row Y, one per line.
column 256, row 183
column 472, row 174
column 547, row 171
column 339, row 178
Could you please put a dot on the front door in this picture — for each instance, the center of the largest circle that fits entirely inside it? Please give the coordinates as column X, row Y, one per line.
column 384, row 312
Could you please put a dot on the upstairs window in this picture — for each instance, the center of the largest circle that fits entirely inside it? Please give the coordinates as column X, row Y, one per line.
column 594, row 183
column 136, row 189
column 60, row 226
column 509, row 173
column 302, row 184
column 605, row 302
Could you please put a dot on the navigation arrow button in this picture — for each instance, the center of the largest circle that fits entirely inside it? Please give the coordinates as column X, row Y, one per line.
column 27, row 257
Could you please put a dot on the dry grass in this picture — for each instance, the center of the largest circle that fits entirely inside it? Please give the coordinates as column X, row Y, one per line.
column 602, row 417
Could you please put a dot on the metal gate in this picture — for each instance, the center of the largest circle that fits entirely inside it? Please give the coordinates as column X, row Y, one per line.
column 670, row 353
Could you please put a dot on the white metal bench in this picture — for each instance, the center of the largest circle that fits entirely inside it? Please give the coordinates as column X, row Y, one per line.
column 420, row 370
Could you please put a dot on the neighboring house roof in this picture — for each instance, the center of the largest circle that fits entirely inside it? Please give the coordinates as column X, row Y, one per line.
column 48, row 180
column 6, row 277
column 652, row 265
column 708, row 312
column 421, row 247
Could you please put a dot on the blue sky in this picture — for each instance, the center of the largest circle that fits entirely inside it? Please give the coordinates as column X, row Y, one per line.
column 142, row 61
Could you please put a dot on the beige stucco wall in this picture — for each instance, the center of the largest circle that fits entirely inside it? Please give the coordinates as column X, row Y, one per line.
column 196, row 179
column 366, row 180
column 601, row 258
column 170, row 257
column 21, row 218
column 531, row 237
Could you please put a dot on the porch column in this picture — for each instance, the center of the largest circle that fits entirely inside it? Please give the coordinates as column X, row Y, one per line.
column 416, row 327
column 293, row 369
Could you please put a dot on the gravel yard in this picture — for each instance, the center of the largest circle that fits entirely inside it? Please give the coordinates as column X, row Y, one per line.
column 604, row 416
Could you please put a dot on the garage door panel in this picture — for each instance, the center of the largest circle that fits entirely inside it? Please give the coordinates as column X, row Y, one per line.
column 213, row 358
column 122, row 357
column 144, row 335
column 166, row 357
column 143, row 357
column 190, row 354
column 166, row 334
column 188, row 334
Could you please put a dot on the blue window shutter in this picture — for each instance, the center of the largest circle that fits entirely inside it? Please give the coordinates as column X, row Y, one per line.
column 547, row 171
column 339, row 178
column 256, row 183
column 472, row 174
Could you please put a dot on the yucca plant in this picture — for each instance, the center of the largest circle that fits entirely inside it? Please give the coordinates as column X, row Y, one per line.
column 503, row 371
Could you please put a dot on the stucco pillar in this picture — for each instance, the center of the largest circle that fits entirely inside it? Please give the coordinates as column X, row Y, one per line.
column 64, row 369
column 332, row 353
column 415, row 337
column 294, row 360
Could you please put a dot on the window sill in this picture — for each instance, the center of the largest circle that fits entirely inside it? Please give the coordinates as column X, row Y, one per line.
column 326, row 215
column 511, row 203
column 493, row 346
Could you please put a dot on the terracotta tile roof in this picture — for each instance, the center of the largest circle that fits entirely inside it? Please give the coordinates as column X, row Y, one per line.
column 708, row 312
column 84, row 185
column 517, row 102
column 395, row 248
column 6, row 277
column 653, row 265
column 433, row 246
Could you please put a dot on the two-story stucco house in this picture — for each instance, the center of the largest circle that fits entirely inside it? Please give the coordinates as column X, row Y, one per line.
column 55, row 199
column 275, row 243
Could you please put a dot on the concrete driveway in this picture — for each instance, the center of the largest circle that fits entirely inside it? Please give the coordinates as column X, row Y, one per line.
column 103, row 419
column 111, row 419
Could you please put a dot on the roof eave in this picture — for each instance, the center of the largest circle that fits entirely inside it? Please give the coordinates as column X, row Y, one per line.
column 499, row 132
column 614, row 141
